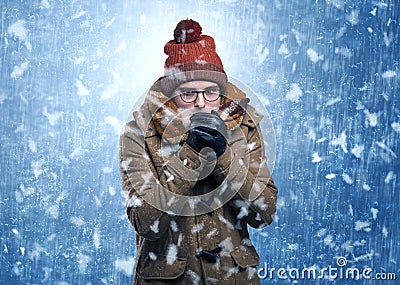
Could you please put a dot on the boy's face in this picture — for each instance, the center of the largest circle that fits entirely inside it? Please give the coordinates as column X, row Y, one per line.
column 206, row 99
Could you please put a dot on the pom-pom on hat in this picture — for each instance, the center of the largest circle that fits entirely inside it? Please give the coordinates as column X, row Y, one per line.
column 191, row 56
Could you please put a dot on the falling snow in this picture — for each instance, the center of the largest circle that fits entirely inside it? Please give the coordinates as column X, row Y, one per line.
column 314, row 56
column 172, row 254
column 19, row 70
column 295, row 93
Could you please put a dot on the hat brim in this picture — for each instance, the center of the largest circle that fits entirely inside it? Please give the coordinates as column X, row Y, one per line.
column 171, row 82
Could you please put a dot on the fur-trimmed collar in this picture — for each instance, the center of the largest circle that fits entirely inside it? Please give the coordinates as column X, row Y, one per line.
column 172, row 126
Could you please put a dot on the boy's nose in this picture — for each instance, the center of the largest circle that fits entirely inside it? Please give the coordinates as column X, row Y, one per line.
column 200, row 102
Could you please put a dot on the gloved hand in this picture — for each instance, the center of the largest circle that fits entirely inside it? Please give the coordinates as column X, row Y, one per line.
column 207, row 130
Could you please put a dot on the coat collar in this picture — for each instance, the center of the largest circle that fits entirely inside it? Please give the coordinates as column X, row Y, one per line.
column 157, row 108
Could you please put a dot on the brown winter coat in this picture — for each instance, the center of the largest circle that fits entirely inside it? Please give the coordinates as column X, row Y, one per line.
column 166, row 241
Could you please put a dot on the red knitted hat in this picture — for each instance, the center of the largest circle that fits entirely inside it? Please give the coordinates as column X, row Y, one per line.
column 191, row 56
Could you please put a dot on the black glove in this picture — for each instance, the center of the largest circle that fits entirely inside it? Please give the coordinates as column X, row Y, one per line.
column 207, row 130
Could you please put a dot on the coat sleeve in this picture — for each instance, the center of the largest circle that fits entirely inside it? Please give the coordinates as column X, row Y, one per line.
column 147, row 188
column 255, row 200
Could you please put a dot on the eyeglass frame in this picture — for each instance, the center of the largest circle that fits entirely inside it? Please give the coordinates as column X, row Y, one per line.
column 197, row 95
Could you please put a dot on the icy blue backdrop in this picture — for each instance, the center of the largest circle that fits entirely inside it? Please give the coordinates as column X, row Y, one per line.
column 70, row 71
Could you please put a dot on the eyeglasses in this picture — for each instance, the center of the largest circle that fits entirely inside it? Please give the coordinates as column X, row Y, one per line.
column 190, row 95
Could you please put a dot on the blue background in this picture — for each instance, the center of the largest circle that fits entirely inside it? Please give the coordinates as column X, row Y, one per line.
column 70, row 72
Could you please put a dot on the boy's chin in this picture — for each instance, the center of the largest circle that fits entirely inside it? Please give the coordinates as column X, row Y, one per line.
column 203, row 110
